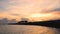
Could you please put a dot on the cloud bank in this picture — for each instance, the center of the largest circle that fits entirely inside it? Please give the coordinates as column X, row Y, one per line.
column 24, row 8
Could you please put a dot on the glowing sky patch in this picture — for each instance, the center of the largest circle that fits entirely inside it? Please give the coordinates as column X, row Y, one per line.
column 40, row 15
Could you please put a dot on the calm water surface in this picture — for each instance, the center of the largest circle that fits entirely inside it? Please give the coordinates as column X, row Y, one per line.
column 27, row 29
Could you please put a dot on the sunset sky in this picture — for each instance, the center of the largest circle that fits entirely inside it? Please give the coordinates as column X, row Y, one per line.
column 34, row 10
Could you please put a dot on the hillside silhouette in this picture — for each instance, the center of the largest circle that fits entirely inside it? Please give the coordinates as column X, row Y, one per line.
column 51, row 23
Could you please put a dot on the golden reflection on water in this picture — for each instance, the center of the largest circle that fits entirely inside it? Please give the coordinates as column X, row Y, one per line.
column 26, row 29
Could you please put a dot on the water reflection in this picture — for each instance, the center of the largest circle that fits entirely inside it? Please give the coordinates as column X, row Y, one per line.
column 26, row 29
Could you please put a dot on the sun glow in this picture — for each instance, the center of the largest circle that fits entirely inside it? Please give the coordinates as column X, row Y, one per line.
column 40, row 15
column 43, row 16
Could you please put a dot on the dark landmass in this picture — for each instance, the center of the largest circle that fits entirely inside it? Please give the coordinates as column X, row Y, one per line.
column 51, row 23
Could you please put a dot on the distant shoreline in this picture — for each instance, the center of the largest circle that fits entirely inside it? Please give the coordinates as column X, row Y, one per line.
column 52, row 23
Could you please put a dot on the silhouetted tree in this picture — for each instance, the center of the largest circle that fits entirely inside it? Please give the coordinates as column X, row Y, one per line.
column 23, row 20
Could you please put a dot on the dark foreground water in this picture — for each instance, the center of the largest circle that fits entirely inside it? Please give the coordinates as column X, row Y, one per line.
column 27, row 29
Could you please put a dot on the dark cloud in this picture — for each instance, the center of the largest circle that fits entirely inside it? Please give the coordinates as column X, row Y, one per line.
column 54, row 10
column 15, row 14
column 2, row 0
column 57, row 9
column 3, row 5
column 2, row 8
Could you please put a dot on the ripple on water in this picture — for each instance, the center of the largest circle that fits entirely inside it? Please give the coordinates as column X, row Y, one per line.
column 26, row 29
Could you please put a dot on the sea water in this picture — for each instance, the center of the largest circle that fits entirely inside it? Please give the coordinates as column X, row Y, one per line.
column 27, row 29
